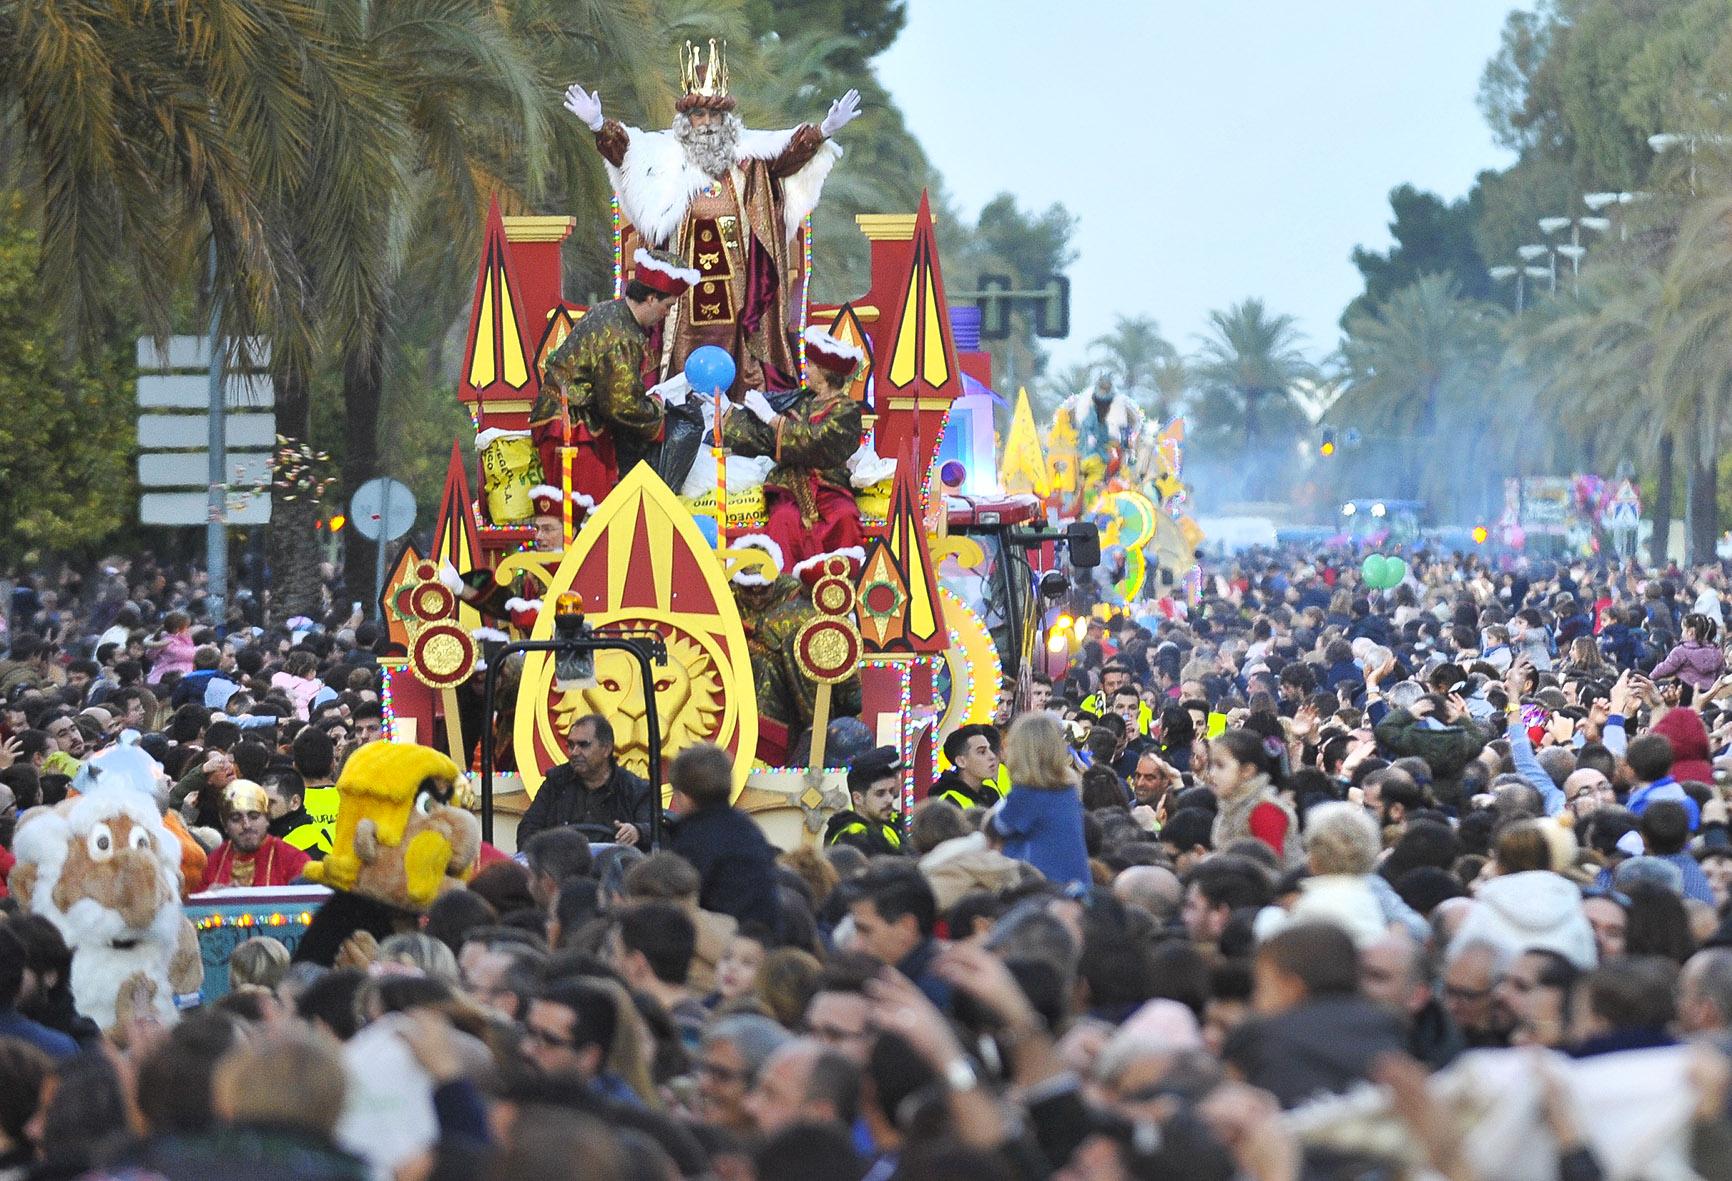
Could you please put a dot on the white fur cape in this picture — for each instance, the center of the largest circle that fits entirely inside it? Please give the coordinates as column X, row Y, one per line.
column 1123, row 415
column 99, row 967
column 656, row 182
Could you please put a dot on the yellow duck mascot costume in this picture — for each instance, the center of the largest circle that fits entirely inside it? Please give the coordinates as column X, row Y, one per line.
column 397, row 843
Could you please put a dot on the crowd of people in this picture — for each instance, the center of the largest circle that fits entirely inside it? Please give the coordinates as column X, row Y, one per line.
column 1239, row 894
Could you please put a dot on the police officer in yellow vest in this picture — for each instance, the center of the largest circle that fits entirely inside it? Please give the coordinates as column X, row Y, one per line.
column 287, row 791
column 316, row 759
column 974, row 778
column 1116, row 676
column 874, row 788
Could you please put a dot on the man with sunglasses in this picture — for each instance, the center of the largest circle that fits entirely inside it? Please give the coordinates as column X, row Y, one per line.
column 569, row 1030
column 591, row 789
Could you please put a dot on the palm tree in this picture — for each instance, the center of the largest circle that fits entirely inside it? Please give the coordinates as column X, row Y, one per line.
column 1245, row 370
column 140, row 131
column 1585, row 362
column 1141, row 360
column 469, row 113
column 1416, row 371
column 1692, row 366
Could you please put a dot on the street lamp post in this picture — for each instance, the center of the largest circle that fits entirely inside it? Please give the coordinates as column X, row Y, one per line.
column 1520, row 274
column 1536, row 250
column 1600, row 201
column 1574, row 250
column 1665, row 141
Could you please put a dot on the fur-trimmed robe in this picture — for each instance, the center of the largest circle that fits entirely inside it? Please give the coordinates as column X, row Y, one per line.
column 779, row 176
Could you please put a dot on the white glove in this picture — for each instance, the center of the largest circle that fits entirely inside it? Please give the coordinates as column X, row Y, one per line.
column 842, row 112
column 673, row 391
column 759, row 406
column 586, row 106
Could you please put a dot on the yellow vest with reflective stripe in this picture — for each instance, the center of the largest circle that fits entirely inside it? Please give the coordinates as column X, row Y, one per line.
column 1145, row 715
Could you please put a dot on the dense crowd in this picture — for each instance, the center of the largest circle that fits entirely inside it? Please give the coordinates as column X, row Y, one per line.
column 1243, row 892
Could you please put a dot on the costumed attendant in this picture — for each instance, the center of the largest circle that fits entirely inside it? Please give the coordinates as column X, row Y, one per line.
column 593, row 397
column 810, row 433
column 774, row 607
column 251, row 856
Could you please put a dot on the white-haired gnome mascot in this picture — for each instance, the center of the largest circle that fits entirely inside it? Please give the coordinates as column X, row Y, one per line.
column 104, row 868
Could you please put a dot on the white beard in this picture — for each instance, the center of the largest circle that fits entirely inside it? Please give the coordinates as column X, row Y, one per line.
column 657, row 180
column 713, row 149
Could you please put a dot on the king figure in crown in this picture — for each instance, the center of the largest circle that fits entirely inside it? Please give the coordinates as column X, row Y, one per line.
column 731, row 200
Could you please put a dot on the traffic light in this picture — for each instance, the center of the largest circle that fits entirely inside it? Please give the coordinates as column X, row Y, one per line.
column 1327, row 447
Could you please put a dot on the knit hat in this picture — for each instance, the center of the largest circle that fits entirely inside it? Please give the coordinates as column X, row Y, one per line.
column 878, row 763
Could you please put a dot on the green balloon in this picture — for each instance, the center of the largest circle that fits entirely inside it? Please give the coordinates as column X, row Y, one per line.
column 1397, row 570
column 1374, row 569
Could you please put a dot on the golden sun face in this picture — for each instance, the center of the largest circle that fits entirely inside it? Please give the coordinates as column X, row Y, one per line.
column 688, row 702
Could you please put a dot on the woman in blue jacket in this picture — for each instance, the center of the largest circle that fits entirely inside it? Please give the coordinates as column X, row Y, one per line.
column 1041, row 820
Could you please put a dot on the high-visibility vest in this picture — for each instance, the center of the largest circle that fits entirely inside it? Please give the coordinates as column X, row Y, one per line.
column 1145, row 716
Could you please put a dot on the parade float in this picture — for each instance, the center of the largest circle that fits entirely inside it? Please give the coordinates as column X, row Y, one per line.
column 653, row 592
column 711, row 638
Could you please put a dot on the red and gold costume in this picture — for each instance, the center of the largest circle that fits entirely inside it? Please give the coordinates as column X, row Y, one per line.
column 275, row 863
column 810, row 508
column 738, row 225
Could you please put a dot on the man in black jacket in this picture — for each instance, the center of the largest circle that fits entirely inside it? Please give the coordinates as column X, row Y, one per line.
column 736, row 865
column 592, row 788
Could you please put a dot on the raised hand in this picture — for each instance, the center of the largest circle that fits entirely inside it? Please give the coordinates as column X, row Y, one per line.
column 842, row 112
column 759, row 405
column 586, row 105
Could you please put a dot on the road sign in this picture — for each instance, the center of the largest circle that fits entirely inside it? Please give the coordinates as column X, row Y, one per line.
column 193, row 352
column 1626, row 507
column 193, row 508
column 383, row 509
column 191, row 469
column 191, row 391
column 169, row 432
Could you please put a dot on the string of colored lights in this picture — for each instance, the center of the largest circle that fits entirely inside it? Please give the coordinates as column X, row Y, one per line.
column 906, row 744
column 387, row 704
column 246, row 919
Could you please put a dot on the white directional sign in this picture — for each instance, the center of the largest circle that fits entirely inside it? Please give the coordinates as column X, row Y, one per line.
column 191, row 391
column 174, row 430
column 191, row 469
column 162, row 432
column 193, row 352
column 193, row 508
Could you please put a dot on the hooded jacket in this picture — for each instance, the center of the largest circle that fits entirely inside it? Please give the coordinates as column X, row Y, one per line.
column 1322, row 1047
column 1689, row 738
column 964, row 864
column 1532, row 910
column 1697, row 664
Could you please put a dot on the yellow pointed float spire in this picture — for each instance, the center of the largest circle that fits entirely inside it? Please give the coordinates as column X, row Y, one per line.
column 1024, row 468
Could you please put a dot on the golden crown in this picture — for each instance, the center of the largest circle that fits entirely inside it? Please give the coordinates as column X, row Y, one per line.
column 705, row 80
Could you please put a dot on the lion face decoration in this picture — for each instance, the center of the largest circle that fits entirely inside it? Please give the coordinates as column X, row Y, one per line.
column 104, row 869
column 398, row 838
column 687, row 694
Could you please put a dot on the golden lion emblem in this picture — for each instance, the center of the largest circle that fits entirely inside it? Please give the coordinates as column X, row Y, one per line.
column 688, row 694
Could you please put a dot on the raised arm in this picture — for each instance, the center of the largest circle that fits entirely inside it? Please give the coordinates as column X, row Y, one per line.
column 611, row 137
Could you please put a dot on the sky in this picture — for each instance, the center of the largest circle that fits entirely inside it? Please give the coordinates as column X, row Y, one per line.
column 1213, row 150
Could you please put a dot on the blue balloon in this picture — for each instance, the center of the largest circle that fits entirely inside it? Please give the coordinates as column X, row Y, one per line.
column 710, row 369
column 707, row 526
